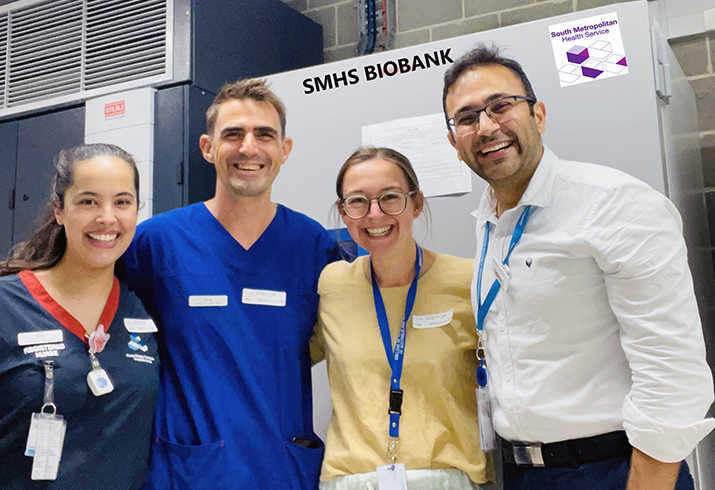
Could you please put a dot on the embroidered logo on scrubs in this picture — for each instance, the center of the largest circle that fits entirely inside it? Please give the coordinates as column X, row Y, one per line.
column 136, row 343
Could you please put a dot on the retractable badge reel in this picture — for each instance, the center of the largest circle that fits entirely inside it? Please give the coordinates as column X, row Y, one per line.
column 47, row 433
column 98, row 379
column 487, row 435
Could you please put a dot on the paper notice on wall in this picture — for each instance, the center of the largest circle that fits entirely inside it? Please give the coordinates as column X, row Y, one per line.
column 423, row 140
column 588, row 50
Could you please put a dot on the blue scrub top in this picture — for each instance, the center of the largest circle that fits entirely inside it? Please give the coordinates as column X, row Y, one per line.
column 235, row 380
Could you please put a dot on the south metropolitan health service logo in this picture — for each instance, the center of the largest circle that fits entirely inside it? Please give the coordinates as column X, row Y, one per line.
column 589, row 49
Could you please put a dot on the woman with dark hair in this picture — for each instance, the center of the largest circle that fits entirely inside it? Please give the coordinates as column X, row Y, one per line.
column 405, row 415
column 78, row 362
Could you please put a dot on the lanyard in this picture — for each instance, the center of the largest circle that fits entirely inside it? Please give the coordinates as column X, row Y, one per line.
column 483, row 309
column 396, row 357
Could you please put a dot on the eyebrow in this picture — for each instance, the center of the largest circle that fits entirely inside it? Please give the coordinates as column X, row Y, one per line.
column 95, row 194
column 380, row 192
column 487, row 101
column 231, row 129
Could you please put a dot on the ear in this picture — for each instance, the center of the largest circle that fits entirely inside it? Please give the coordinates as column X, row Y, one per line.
column 205, row 145
column 540, row 116
column 58, row 212
column 453, row 142
column 419, row 201
column 346, row 219
column 287, row 146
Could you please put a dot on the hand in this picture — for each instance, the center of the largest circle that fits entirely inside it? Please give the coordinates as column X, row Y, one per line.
column 650, row 474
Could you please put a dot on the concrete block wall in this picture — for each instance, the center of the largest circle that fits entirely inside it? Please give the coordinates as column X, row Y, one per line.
column 696, row 55
column 421, row 21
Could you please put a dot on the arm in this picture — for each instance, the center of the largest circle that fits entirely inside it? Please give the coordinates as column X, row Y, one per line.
column 650, row 474
column 635, row 235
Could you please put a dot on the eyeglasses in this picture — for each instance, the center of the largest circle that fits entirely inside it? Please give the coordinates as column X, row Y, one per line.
column 391, row 203
column 467, row 122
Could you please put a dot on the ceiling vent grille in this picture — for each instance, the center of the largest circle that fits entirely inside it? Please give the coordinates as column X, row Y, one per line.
column 56, row 50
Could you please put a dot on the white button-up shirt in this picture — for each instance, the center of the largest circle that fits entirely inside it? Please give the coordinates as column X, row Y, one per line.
column 598, row 329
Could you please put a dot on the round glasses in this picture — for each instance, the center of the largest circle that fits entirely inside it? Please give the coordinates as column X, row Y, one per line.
column 391, row 203
column 467, row 122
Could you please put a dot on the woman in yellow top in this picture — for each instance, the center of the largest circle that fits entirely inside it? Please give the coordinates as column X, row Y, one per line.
column 413, row 417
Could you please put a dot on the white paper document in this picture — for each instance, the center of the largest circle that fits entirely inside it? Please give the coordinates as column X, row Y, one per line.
column 424, row 141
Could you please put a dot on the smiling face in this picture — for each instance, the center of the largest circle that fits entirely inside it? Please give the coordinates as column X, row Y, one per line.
column 246, row 148
column 377, row 232
column 501, row 154
column 99, row 212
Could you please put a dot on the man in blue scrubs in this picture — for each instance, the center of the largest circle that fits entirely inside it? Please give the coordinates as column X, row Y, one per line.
column 232, row 283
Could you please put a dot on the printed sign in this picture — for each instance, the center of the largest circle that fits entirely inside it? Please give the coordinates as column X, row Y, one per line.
column 114, row 109
column 589, row 49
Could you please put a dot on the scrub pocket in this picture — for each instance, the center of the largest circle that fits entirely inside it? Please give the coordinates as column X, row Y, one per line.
column 200, row 467
column 306, row 462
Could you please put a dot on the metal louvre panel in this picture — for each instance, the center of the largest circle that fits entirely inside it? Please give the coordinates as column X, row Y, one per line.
column 65, row 48
column 3, row 56
column 122, row 41
column 45, row 51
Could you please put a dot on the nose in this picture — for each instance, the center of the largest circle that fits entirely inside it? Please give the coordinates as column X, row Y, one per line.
column 375, row 211
column 486, row 125
column 248, row 145
column 106, row 214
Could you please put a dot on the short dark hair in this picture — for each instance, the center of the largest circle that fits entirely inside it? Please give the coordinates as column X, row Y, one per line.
column 248, row 88
column 483, row 55
column 48, row 244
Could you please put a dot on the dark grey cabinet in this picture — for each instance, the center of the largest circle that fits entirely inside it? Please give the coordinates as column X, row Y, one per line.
column 28, row 148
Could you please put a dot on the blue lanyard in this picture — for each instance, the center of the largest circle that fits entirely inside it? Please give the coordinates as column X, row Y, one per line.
column 483, row 309
column 396, row 357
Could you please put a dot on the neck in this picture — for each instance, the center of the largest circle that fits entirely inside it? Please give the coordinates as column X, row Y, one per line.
column 78, row 282
column 396, row 268
column 245, row 218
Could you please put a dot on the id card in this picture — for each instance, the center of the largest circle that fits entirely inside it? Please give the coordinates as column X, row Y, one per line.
column 49, row 439
column 32, row 434
column 391, row 477
column 487, row 435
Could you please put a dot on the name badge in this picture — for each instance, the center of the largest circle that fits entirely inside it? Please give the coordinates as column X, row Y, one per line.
column 432, row 321
column 263, row 297
column 196, row 301
column 140, row 325
column 392, row 477
column 35, row 338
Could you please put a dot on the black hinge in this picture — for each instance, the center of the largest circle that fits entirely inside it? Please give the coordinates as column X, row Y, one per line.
column 11, row 201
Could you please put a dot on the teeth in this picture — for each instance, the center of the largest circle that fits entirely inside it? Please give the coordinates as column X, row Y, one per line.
column 378, row 231
column 248, row 166
column 496, row 147
column 102, row 238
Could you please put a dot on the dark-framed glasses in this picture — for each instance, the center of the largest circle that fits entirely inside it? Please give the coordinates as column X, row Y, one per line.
column 391, row 203
column 467, row 122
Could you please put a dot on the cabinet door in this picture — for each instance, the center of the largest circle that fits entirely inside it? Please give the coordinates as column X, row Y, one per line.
column 39, row 139
column 169, row 142
column 8, row 159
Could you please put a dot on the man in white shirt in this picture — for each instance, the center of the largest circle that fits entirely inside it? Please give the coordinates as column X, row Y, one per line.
column 594, row 347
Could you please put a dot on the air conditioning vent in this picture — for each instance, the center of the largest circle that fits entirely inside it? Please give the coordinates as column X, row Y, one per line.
column 53, row 51
column 45, row 51
column 3, row 57
column 126, row 40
